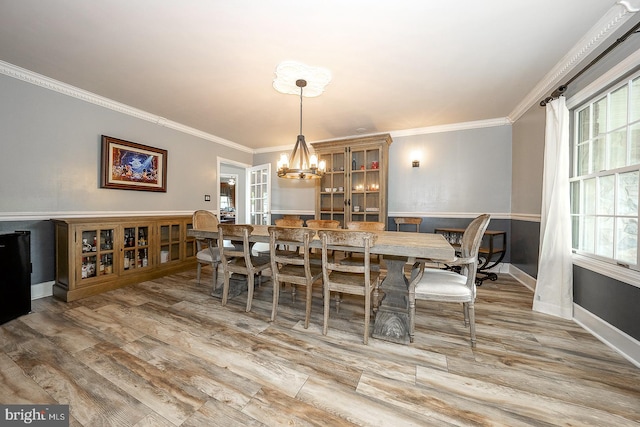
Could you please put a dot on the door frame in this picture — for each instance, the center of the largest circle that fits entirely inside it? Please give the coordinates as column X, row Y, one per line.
column 241, row 189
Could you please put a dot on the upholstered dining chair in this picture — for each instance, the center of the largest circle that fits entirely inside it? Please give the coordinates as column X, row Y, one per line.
column 207, row 249
column 238, row 259
column 433, row 284
column 349, row 279
column 407, row 220
column 356, row 258
column 295, row 270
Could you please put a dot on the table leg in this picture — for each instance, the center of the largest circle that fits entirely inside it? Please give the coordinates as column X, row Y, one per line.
column 392, row 318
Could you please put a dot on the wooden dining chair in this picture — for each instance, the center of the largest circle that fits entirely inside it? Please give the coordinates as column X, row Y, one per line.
column 288, row 216
column 433, row 284
column 207, row 252
column 352, row 258
column 289, row 222
column 323, row 223
column 349, row 279
column 295, row 270
column 406, row 220
column 262, row 249
column 239, row 260
column 317, row 224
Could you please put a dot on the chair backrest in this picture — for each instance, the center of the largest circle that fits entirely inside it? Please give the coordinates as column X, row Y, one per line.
column 401, row 220
column 235, row 233
column 366, row 225
column 205, row 220
column 472, row 236
column 286, row 216
column 323, row 223
column 300, row 237
column 346, row 239
column 289, row 222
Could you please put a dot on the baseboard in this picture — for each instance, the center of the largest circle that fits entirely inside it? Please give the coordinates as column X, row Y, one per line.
column 614, row 338
column 41, row 290
column 522, row 277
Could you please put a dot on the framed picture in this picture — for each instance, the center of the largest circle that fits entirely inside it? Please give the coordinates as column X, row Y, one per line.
column 130, row 166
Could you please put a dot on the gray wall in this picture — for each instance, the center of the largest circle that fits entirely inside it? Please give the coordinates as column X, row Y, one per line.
column 526, row 182
column 461, row 172
column 51, row 153
column 49, row 166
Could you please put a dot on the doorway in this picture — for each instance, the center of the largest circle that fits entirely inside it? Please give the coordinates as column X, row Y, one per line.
column 228, row 169
column 228, row 198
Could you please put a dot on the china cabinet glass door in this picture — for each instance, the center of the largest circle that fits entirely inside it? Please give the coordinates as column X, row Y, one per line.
column 97, row 253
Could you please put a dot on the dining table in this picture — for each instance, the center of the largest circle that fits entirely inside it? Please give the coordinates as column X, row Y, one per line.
column 397, row 249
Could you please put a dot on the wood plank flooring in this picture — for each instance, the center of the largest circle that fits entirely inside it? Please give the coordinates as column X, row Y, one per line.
column 165, row 353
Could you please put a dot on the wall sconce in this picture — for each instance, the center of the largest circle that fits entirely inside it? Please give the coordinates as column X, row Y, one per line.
column 415, row 159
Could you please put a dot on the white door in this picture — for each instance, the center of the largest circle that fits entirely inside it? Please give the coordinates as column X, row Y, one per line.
column 259, row 194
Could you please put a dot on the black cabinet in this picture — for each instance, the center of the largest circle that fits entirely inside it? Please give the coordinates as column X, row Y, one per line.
column 15, row 275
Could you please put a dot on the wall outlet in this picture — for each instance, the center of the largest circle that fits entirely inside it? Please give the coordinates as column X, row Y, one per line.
column 207, row 198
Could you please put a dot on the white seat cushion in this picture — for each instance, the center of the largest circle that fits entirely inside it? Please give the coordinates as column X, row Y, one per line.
column 205, row 255
column 260, row 249
column 439, row 284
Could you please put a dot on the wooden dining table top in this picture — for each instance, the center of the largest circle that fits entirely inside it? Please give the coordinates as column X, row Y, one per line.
column 392, row 243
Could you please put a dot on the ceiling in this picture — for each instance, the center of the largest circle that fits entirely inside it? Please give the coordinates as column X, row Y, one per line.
column 209, row 65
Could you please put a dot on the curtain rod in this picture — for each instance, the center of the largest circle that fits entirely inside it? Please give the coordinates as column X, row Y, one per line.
column 562, row 88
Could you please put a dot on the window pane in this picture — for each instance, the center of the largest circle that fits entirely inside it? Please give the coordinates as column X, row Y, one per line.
column 628, row 194
column 583, row 125
column 606, row 199
column 618, row 108
column 627, row 240
column 589, row 207
column 634, row 144
column 575, row 197
column 583, row 159
column 598, row 155
column 618, row 149
column 588, row 233
column 604, row 237
column 599, row 117
column 635, row 100
column 575, row 232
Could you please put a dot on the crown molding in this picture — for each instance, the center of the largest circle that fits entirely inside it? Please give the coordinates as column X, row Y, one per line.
column 619, row 13
column 19, row 73
column 501, row 121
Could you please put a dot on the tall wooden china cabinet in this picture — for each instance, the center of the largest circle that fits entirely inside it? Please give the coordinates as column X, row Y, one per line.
column 355, row 185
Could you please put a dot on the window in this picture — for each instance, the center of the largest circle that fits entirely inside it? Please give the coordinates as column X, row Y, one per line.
column 606, row 175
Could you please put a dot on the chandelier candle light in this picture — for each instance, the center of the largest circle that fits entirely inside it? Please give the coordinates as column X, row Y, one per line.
column 301, row 164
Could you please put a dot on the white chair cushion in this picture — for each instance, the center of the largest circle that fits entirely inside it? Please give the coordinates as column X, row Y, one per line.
column 439, row 284
column 260, row 249
column 205, row 255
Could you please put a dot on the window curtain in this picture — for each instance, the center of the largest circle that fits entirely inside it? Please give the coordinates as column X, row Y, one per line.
column 554, row 287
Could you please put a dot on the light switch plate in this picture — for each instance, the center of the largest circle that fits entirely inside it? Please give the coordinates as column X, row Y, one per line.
column 207, row 198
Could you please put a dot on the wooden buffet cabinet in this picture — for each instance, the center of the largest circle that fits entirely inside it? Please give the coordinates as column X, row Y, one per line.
column 95, row 255
column 354, row 188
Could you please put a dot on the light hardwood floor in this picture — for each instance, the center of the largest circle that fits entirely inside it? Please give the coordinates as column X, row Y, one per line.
column 165, row 353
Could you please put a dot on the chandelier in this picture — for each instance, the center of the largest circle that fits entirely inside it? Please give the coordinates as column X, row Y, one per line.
column 300, row 164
